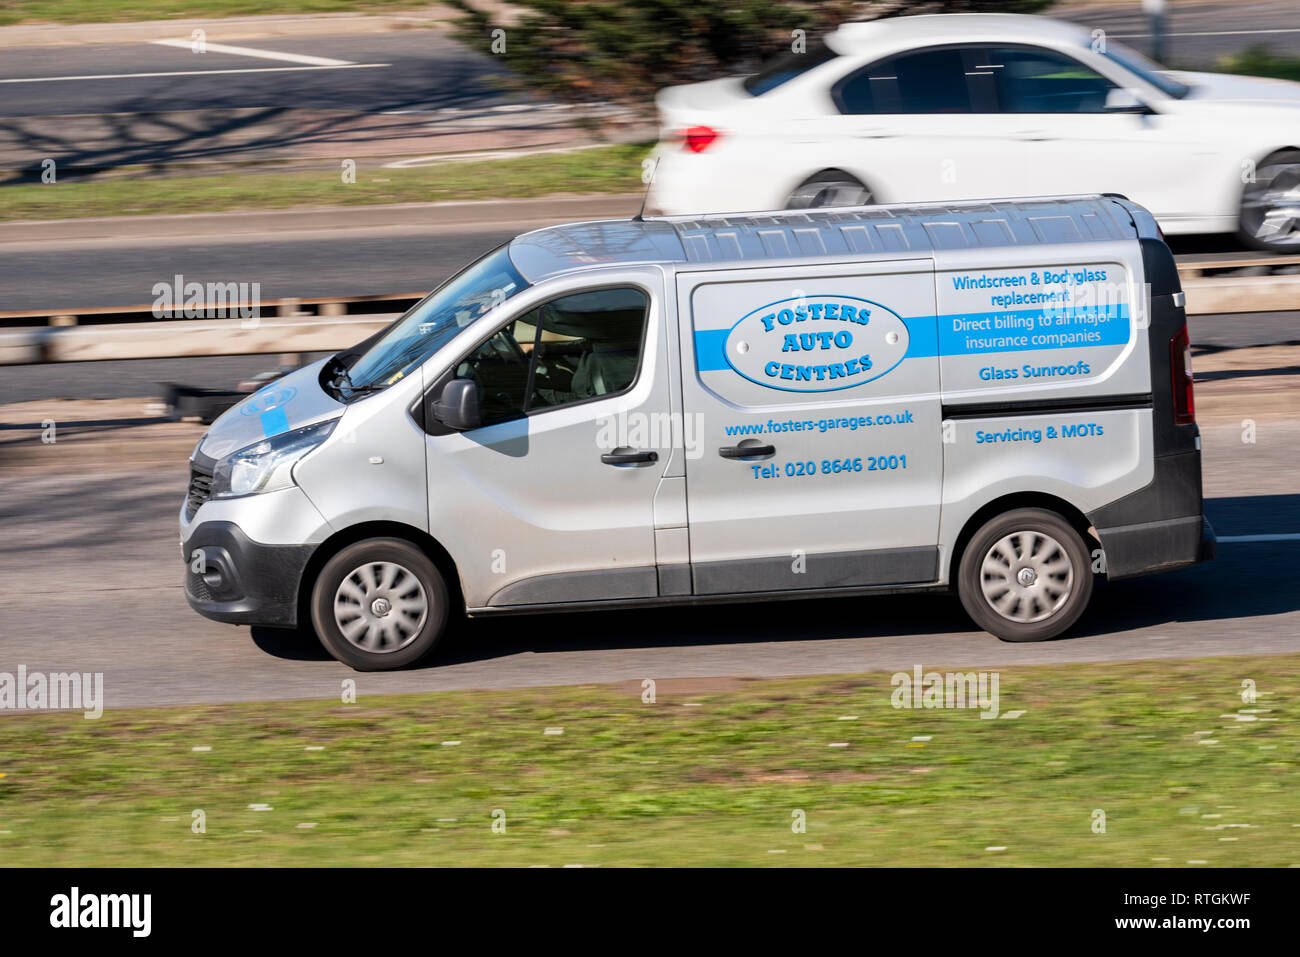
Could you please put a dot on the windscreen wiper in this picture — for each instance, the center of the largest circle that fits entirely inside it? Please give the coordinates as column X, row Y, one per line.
column 341, row 376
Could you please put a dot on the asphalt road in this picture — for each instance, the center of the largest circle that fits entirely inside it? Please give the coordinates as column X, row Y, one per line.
column 399, row 70
column 425, row 70
column 340, row 263
column 1198, row 33
column 91, row 572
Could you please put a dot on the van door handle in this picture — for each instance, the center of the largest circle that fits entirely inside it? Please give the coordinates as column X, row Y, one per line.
column 1032, row 136
column 629, row 457
column 746, row 451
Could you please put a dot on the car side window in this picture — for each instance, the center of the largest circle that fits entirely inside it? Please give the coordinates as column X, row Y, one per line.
column 1033, row 80
column 581, row 346
column 927, row 81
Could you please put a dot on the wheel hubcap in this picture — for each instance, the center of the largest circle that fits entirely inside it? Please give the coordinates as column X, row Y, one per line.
column 815, row 195
column 1270, row 209
column 380, row 607
column 1026, row 576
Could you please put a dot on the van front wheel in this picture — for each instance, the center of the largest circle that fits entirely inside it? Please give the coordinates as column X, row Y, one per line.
column 379, row 604
column 1025, row 576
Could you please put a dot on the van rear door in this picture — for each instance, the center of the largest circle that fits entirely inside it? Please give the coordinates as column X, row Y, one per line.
column 813, row 394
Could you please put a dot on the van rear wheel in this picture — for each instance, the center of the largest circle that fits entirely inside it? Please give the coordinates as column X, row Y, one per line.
column 1025, row 575
column 379, row 604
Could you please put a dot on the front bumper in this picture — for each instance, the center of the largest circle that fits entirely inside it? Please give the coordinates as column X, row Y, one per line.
column 231, row 578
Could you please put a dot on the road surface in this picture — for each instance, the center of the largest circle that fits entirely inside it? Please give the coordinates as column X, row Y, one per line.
column 91, row 570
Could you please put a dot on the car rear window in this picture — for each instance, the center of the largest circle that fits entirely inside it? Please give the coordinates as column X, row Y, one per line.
column 785, row 67
column 925, row 81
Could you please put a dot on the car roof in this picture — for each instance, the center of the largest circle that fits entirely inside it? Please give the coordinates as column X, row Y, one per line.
column 864, row 37
column 862, row 232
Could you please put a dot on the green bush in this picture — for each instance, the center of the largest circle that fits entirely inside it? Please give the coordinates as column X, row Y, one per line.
column 1261, row 61
column 583, row 50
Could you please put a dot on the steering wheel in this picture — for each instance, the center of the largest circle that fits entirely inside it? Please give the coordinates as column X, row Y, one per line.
column 506, row 346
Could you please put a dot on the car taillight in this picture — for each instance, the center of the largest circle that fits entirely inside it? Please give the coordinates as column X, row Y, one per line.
column 1180, row 371
column 697, row 139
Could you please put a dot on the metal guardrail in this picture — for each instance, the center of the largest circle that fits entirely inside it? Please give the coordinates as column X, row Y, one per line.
column 327, row 324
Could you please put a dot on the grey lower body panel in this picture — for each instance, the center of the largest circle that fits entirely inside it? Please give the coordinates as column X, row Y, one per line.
column 598, row 585
column 756, row 576
column 885, row 566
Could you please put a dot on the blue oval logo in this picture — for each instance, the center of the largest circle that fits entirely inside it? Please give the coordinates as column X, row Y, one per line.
column 816, row 343
column 268, row 400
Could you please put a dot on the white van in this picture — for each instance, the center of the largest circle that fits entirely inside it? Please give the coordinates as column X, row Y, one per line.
column 993, row 398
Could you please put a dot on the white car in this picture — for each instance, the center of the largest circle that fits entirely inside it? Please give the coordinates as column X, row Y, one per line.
column 969, row 106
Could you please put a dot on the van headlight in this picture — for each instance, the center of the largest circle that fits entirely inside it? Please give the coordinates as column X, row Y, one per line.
column 267, row 465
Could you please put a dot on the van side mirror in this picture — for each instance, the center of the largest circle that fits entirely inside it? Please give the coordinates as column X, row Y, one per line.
column 1119, row 100
column 457, row 405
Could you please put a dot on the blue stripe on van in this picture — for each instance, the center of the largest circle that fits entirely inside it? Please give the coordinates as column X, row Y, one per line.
column 274, row 422
column 710, row 349
column 925, row 339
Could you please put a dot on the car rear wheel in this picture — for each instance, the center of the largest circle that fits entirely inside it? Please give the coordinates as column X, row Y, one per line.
column 1025, row 576
column 1270, row 206
column 380, row 604
column 830, row 188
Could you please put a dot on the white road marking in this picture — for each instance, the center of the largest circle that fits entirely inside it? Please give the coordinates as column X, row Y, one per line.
column 1280, row 537
column 1212, row 33
column 260, row 54
column 127, row 76
column 438, row 158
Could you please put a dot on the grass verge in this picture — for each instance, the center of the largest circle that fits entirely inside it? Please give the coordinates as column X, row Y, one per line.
column 602, row 169
column 1261, row 61
column 1182, row 769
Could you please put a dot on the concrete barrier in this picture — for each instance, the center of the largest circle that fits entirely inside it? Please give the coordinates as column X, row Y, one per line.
column 191, row 337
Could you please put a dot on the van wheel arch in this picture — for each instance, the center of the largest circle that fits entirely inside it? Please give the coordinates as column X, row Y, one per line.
column 1011, row 502
column 340, row 540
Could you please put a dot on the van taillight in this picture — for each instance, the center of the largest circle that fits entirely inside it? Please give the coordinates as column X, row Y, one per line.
column 697, row 139
column 1180, row 371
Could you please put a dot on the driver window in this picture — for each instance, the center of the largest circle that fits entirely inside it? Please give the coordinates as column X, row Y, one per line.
column 577, row 347
column 500, row 367
column 1033, row 80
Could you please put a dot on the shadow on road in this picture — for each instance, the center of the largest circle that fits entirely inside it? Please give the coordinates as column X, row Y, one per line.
column 1246, row 580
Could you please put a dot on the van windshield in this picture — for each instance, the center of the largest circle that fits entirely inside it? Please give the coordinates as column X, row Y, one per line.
column 434, row 320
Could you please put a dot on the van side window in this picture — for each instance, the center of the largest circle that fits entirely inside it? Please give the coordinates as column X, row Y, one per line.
column 581, row 346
